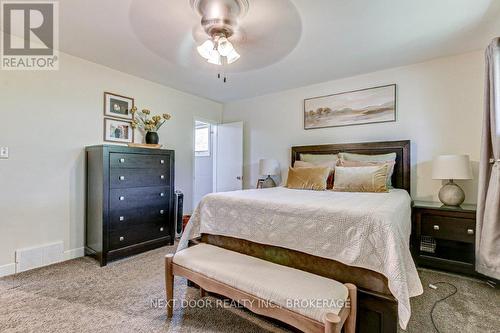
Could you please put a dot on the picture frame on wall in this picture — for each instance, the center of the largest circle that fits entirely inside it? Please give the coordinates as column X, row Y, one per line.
column 118, row 106
column 119, row 131
column 364, row 106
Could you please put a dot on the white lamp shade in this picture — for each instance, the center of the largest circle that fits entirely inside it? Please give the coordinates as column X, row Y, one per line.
column 269, row 167
column 215, row 58
column 205, row 49
column 225, row 47
column 451, row 167
column 232, row 57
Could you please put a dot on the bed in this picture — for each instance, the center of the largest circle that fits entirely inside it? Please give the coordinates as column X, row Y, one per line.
column 351, row 237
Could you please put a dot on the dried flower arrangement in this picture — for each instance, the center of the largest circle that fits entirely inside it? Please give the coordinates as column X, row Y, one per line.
column 148, row 123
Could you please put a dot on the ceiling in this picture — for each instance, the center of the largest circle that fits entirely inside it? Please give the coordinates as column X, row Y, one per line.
column 287, row 43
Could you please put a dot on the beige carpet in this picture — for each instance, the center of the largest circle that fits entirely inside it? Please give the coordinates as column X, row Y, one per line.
column 79, row 296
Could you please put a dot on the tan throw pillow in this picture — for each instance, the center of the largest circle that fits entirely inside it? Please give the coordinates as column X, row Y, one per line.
column 330, row 164
column 390, row 167
column 308, row 178
column 381, row 158
column 361, row 179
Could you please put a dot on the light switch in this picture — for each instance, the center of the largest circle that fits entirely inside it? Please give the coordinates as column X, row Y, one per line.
column 4, row 152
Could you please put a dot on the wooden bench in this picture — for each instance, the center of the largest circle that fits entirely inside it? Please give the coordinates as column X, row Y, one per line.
column 303, row 300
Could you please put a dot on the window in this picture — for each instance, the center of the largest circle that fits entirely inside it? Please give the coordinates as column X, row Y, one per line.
column 202, row 139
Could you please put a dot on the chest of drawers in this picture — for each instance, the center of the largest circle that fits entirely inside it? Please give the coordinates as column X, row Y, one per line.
column 130, row 201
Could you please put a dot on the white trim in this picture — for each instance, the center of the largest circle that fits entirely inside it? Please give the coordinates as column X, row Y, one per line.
column 8, row 269
column 213, row 147
column 74, row 253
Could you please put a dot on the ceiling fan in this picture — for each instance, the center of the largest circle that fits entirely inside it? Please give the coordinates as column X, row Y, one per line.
column 219, row 19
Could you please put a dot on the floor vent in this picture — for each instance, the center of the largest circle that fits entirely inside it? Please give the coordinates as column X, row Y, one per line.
column 35, row 257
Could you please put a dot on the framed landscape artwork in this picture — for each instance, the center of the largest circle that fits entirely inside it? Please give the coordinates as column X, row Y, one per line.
column 118, row 131
column 365, row 106
column 118, row 106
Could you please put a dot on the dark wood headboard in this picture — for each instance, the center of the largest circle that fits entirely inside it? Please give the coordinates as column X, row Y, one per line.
column 401, row 175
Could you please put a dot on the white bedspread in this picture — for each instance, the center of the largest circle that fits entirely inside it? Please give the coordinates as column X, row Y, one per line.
column 368, row 230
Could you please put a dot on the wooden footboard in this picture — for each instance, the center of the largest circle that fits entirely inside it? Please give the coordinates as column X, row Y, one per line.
column 377, row 308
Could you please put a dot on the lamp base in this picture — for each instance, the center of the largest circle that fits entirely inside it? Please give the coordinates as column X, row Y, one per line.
column 268, row 182
column 451, row 194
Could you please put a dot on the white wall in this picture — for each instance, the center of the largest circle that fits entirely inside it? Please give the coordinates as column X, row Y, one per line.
column 46, row 119
column 439, row 108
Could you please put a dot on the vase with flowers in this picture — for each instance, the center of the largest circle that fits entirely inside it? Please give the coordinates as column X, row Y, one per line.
column 149, row 124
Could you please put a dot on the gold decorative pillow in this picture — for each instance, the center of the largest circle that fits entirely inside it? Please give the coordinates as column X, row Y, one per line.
column 329, row 164
column 308, row 178
column 361, row 179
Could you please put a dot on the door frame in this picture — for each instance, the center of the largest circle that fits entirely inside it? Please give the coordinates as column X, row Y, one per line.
column 213, row 132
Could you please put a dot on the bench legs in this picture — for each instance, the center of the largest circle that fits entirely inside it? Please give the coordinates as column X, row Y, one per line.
column 350, row 323
column 334, row 323
column 169, row 284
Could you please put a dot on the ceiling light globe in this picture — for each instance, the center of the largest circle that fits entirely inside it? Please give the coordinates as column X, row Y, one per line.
column 215, row 58
column 232, row 57
column 206, row 49
column 224, row 47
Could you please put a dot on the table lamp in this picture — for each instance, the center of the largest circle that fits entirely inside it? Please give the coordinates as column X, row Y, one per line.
column 451, row 167
column 268, row 167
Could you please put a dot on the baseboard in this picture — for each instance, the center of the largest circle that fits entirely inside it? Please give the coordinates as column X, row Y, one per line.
column 8, row 269
column 74, row 253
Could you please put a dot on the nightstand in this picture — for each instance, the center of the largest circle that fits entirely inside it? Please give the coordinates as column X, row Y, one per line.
column 443, row 237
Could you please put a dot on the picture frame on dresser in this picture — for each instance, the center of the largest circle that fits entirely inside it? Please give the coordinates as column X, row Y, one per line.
column 118, row 106
column 130, row 201
column 118, row 131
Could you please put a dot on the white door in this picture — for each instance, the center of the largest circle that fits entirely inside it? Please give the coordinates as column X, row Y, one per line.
column 229, row 157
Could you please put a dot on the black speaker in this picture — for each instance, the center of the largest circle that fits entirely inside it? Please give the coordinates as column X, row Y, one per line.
column 179, row 202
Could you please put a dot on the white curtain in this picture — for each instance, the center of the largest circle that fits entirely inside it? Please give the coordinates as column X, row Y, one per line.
column 488, row 210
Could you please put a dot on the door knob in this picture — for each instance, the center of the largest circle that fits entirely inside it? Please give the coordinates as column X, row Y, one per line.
column 239, row 178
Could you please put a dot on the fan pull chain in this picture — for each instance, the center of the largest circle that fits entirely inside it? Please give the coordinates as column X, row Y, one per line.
column 223, row 77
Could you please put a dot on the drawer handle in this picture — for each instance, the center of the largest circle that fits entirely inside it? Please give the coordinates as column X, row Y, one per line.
column 122, row 238
column 162, row 212
column 436, row 227
column 162, row 177
column 470, row 231
column 122, row 218
column 122, row 198
column 162, row 194
column 122, row 160
column 162, row 161
column 161, row 229
column 122, row 177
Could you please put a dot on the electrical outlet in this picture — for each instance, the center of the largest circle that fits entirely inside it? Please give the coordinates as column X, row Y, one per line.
column 4, row 152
